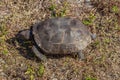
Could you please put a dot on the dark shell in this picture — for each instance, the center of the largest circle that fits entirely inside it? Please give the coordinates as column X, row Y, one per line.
column 61, row 35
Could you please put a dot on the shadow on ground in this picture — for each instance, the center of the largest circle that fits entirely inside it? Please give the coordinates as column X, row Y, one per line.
column 24, row 48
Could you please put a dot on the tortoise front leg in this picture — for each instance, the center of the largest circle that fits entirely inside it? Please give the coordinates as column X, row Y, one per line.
column 39, row 54
column 81, row 55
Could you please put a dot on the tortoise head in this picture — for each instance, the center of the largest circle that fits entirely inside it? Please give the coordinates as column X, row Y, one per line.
column 24, row 34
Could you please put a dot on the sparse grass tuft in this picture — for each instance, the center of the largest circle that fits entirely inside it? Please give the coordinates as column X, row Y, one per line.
column 3, row 33
column 30, row 71
column 90, row 78
column 41, row 70
column 95, row 44
column 115, row 9
column 52, row 7
column 89, row 20
column 58, row 10
column 3, row 30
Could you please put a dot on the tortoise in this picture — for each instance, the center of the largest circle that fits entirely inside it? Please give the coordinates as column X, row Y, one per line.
column 60, row 35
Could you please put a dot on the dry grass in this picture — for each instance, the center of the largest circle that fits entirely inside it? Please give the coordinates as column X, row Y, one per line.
column 102, row 56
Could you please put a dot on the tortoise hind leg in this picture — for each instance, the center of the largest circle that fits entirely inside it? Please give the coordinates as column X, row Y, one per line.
column 39, row 54
column 81, row 55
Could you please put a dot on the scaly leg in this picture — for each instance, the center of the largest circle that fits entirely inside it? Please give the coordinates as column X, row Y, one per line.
column 39, row 54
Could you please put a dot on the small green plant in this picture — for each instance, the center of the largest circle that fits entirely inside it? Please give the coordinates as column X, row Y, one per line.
column 96, row 44
column 30, row 72
column 89, row 20
column 63, row 10
column 3, row 33
column 3, row 30
column 41, row 70
column 90, row 78
column 107, row 40
column 2, row 39
column 92, row 17
column 52, row 7
column 5, row 51
column 56, row 10
column 61, row 13
column 115, row 9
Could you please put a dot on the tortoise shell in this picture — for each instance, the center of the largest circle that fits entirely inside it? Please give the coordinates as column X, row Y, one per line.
column 61, row 35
